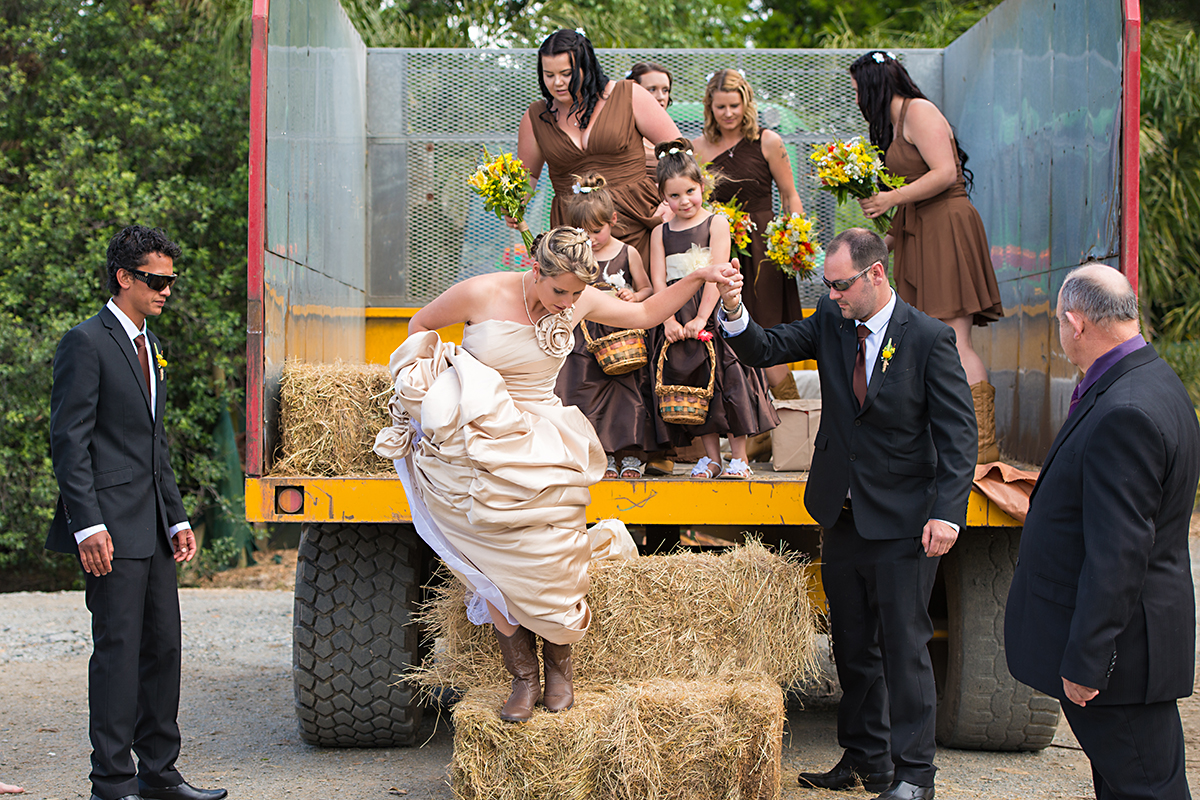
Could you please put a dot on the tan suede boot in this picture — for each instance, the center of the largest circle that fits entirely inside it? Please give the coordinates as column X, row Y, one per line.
column 983, row 394
column 560, row 689
column 758, row 447
column 786, row 389
column 520, row 658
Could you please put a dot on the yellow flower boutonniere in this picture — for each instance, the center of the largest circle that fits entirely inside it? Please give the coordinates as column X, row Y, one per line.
column 886, row 354
column 161, row 362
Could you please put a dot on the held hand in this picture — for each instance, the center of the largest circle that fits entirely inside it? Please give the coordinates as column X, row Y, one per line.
column 937, row 538
column 693, row 328
column 878, row 204
column 1077, row 693
column 185, row 545
column 96, row 553
column 673, row 330
column 516, row 226
column 731, row 292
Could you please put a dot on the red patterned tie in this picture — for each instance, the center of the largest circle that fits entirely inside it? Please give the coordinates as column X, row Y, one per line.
column 144, row 357
column 860, row 365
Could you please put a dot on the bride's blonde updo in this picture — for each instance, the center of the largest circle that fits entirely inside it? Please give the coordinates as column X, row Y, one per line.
column 564, row 251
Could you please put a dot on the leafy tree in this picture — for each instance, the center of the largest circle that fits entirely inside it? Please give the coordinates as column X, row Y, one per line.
column 1169, row 236
column 114, row 112
column 930, row 24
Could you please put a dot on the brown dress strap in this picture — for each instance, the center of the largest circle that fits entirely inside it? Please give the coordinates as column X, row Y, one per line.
column 899, row 132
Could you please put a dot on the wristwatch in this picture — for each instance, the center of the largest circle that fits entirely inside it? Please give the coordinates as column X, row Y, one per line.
column 735, row 310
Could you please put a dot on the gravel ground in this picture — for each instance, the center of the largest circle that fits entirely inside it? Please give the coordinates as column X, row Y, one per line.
column 239, row 730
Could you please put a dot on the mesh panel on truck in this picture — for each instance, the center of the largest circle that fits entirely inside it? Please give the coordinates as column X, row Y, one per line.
column 431, row 113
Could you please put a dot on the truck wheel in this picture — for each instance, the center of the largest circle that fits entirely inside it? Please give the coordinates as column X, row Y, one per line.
column 980, row 705
column 357, row 587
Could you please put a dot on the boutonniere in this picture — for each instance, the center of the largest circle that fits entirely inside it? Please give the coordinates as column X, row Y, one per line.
column 886, row 354
column 161, row 362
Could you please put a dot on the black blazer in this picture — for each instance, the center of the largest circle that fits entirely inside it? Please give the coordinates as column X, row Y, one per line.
column 110, row 456
column 908, row 455
column 1102, row 594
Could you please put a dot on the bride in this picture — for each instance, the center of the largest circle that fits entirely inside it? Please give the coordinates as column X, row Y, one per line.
column 495, row 468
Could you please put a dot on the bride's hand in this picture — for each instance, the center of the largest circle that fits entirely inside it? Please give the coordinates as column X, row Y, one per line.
column 726, row 274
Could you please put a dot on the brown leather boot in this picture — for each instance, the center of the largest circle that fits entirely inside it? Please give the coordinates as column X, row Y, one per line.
column 786, row 389
column 983, row 395
column 520, row 658
column 560, row 691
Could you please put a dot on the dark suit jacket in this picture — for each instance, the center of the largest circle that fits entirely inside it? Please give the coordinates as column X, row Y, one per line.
column 908, row 455
column 110, row 456
column 1102, row 594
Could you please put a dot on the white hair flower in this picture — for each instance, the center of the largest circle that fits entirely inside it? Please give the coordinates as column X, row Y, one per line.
column 879, row 58
column 577, row 189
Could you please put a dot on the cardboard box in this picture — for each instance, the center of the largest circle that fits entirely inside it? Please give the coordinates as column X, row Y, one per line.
column 792, row 441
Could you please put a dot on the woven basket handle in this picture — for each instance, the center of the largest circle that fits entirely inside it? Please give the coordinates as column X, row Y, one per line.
column 586, row 336
column 712, row 360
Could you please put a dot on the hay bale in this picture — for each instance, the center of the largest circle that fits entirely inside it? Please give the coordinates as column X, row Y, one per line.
column 329, row 415
column 699, row 615
column 660, row 739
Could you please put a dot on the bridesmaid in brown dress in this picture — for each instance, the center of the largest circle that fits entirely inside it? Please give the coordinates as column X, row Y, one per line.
column 941, row 261
column 747, row 160
column 618, row 406
column 587, row 122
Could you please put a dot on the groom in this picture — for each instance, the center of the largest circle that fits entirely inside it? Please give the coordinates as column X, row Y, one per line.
column 120, row 511
column 891, row 473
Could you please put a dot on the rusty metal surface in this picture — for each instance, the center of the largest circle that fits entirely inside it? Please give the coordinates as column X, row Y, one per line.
column 1034, row 92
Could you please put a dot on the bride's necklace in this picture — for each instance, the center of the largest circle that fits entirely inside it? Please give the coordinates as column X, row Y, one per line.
column 525, row 302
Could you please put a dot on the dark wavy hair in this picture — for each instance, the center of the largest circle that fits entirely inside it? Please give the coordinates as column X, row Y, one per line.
column 878, row 81
column 676, row 160
column 642, row 67
column 127, row 250
column 588, row 80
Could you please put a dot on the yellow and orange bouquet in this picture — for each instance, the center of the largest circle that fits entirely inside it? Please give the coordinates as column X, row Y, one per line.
column 791, row 246
column 854, row 168
column 503, row 183
column 740, row 225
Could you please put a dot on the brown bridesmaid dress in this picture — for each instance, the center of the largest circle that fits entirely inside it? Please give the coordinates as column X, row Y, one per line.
column 614, row 149
column 941, row 264
column 770, row 296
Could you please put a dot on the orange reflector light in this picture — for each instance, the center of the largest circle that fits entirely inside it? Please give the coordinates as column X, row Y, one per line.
column 289, row 499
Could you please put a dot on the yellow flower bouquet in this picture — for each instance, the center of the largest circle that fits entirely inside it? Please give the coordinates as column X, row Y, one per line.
column 790, row 244
column 854, row 168
column 503, row 183
column 740, row 225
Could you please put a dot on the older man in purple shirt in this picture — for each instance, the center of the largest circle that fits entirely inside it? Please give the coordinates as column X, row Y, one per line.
column 1101, row 612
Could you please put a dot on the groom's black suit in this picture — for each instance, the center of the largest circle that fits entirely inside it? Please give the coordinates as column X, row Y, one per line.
column 110, row 457
column 905, row 457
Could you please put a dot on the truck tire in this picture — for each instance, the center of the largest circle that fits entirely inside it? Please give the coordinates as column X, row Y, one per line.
column 980, row 705
column 357, row 588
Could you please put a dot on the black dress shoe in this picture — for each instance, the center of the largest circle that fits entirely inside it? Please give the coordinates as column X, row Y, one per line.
column 126, row 797
column 184, row 791
column 844, row 776
column 903, row 790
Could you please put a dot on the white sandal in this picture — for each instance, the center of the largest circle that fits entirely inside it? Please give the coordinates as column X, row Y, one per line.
column 737, row 470
column 611, row 472
column 703, row 468
column 632, row 464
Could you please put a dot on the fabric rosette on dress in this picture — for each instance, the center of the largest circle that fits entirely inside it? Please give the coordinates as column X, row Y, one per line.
column 497, row 470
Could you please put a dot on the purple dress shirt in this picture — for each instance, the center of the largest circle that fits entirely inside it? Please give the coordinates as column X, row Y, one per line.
column 1101, row 365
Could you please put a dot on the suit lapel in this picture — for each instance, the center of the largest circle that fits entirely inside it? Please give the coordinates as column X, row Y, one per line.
column 849, row 350
column 894, row 332
column 117, row 331
column 1135, row 359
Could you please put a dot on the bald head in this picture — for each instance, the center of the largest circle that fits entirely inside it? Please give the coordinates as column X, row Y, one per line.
column 1097, row 310
column 1101, row 294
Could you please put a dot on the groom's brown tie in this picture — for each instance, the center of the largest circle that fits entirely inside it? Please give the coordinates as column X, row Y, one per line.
column 144, row 357
column 860, row 364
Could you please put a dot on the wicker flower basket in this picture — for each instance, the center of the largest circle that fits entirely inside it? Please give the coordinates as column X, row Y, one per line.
column 685, row 405
column 620, row 352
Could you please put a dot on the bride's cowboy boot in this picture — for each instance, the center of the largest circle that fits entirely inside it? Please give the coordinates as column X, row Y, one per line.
column 520, row 658
column 560, row 691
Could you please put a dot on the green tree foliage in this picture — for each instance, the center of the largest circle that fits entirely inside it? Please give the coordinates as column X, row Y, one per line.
column 112, row 113
column 883, row 23
column 1169, row 228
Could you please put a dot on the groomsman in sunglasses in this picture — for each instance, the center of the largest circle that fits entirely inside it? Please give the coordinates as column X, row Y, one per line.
column 120, row 511
column 891, row 472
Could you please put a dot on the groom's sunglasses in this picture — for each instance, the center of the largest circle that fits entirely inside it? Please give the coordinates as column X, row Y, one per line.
column 156, row 282
column 845, row 284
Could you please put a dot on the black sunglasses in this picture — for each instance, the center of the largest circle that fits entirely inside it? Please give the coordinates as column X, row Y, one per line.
column 843, row 285
column 157, row 282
